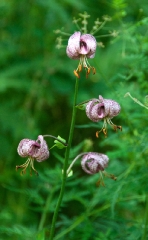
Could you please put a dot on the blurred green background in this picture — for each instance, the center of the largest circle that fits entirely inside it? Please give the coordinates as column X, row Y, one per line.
column 36, row 95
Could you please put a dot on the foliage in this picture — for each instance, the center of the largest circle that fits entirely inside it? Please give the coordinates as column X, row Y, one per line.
column 36, row 91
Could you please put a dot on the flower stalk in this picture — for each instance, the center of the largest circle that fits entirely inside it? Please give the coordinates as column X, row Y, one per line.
column 67, row 152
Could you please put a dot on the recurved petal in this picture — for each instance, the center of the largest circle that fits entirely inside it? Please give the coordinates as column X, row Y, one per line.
column 73, row 47
column 88, row 45
column 94, row 162
column 95, row 110
column 41, row 153
column 71, row 53
column 25, row 147
column 112, row 108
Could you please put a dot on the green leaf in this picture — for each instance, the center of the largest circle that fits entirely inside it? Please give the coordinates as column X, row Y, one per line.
column 58, row 144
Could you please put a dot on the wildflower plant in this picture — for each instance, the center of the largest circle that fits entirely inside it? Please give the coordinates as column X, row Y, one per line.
column 81, row 46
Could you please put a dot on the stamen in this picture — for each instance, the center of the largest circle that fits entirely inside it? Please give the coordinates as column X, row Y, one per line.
column 103, row 129
column 76, row 74
column 88, row 72
column 112, row 176
column 93, row 70
column 83, row 63
column 115, row 127
column 26, row 164
column 97, row 134
column 32, row 167
column 100, row 181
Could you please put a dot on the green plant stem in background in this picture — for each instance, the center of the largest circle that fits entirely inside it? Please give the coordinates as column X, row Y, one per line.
column 64, row 176
column 145, row 231
column 45, row 210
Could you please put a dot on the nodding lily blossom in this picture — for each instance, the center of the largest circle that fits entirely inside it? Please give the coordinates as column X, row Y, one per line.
column 82, row 46
column 34, row 150
column 103, row 109
column 92, row 163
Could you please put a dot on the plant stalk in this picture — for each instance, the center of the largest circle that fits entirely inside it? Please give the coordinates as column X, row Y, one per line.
column 67, row 152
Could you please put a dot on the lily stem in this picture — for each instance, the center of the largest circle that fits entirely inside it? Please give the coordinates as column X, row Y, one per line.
column 65, row 144
column 67, row 152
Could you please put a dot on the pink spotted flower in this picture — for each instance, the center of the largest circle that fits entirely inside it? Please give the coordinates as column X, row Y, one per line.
column 82, row 46
column 103, row 109
column 93, row 163
column 34, row 150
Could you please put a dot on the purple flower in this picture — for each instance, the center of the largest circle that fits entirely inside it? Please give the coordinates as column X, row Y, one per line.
column 82, row 47
column 94, row 162
column 103, row 109
column 34, row 150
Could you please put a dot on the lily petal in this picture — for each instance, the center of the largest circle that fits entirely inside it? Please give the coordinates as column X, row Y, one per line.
column 73, row 47
column 41, row 153
column 95, row 110
column 111, row 108
column 94, row 162
column 88, row 45
column 25, row 147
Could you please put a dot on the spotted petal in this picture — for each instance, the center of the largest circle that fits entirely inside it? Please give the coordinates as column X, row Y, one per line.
column 25, row 147
column 41, row 153
column 93, row 162
column 95, row 110
column 73, row 47
column 34, row 149
column 88, row 45
column 111, row 107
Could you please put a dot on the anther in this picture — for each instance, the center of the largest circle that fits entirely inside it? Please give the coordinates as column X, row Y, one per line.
column 76, row 74
column 93, row 70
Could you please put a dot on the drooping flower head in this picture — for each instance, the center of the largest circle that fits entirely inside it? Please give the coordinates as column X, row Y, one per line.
column 103, row 109
column 82, row 46
column 93, row 163
column 34, row 150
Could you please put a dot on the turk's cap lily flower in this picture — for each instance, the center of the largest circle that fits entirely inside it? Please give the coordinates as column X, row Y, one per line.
column 82, row 46
column 93, row 163
column 34, row 150
column 103, row 109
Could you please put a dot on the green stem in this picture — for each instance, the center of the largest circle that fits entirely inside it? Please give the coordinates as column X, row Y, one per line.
column 64, row 176
column 145, row 232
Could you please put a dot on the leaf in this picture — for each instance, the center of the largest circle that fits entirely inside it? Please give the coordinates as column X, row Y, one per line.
column 58, row 144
